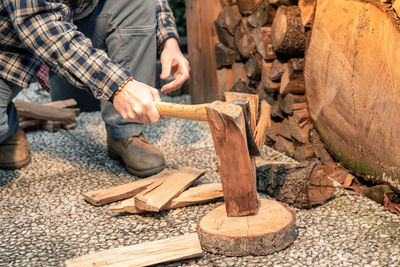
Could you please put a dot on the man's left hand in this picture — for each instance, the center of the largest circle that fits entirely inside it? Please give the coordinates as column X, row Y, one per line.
column 173, row 62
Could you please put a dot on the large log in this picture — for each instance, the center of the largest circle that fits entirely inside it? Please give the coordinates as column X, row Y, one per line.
column 353, row 79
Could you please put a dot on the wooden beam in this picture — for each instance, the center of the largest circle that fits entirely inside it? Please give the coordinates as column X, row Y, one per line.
column 149, row 253
column 227, row 125
column 161, row 192
column 194, row 195
column 105, row 196
column 202, row 38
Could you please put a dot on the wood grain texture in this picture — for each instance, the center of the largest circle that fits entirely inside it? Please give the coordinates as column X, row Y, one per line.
column 353, row 83
column 270, row 230
column 161, row 192
column 145, row 254
column 194, row 195
column 227, row 125
column 105, row 196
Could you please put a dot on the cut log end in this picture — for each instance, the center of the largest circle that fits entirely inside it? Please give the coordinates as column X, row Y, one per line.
column 270, row 230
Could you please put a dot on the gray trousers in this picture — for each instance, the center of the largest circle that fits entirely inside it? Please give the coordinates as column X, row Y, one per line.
column 8, row 114
column 126, row 30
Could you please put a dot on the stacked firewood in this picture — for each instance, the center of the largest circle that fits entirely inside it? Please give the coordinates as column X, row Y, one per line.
column 261, row 50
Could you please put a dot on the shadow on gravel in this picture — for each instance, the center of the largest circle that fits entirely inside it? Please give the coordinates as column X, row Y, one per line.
column 6, row 176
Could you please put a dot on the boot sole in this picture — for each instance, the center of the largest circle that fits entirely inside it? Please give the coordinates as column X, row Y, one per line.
column 16, row 165
column 141, row 174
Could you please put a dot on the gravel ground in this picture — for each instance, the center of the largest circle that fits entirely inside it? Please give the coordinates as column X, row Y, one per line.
column 45, row 220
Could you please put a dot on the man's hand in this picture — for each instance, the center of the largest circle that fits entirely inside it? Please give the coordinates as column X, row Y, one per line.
column 173, row 62
column 135, row 103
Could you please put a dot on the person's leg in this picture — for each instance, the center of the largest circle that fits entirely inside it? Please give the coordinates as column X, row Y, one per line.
column 14, row 148
column 126, row 30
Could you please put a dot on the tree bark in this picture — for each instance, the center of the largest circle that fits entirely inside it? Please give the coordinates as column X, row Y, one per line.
column 301, row 185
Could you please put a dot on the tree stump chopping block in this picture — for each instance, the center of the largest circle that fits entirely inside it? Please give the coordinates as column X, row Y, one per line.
column 244, row 225
column 270, row 230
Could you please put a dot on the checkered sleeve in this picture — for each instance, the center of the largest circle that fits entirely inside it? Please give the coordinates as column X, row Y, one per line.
column 47, row 31
column 166, row 27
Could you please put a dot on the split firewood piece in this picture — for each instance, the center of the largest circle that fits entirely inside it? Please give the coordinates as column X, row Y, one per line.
column 157, row 195
column 276, row 111
column 270, row 85
column 302, row 185
column 244, row 40
column 224, row 36
column 229, row 18
column 278, row 67
column 226, row 80
column 263, row 125
column 284, row 145
column 319, row 147
column 297, row 64
column 43, row 112
column 239, row 72
column 273, row 131
column 282, row 2
column 270, row 230
column 287, row 103
column 227, row 125
column 247, row 7
column 288, row 33
column 336, row 172
column 300, row 133
column 303, row 152
column 262, row 39
column 225, row 3
column 241, row 87
column 105, row 196
column 253, row 105
column 145, row 254
column 260, row 16
column 194, row 195
column 224, row 55
column 292, row 81
column 307, row 11
column 253, row 67
column 284, row 129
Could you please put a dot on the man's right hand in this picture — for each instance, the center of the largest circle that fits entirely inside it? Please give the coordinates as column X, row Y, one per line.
column 135, row 103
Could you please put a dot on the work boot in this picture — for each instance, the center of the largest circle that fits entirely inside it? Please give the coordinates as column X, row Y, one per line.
column 15, row 153
column 140, row 157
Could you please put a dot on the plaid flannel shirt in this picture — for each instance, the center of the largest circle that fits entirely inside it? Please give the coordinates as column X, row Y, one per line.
column 39, row 31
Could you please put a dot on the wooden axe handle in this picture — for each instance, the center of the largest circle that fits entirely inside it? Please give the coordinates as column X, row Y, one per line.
column 183, row 111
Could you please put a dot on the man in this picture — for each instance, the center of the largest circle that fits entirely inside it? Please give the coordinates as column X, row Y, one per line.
column 106, row 47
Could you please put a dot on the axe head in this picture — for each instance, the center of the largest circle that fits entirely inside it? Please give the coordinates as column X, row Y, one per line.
column 251, row 143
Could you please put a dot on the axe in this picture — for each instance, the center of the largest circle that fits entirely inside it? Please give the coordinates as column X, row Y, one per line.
column 198, row 113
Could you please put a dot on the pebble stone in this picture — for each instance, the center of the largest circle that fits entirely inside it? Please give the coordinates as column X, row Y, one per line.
column 45, row 220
